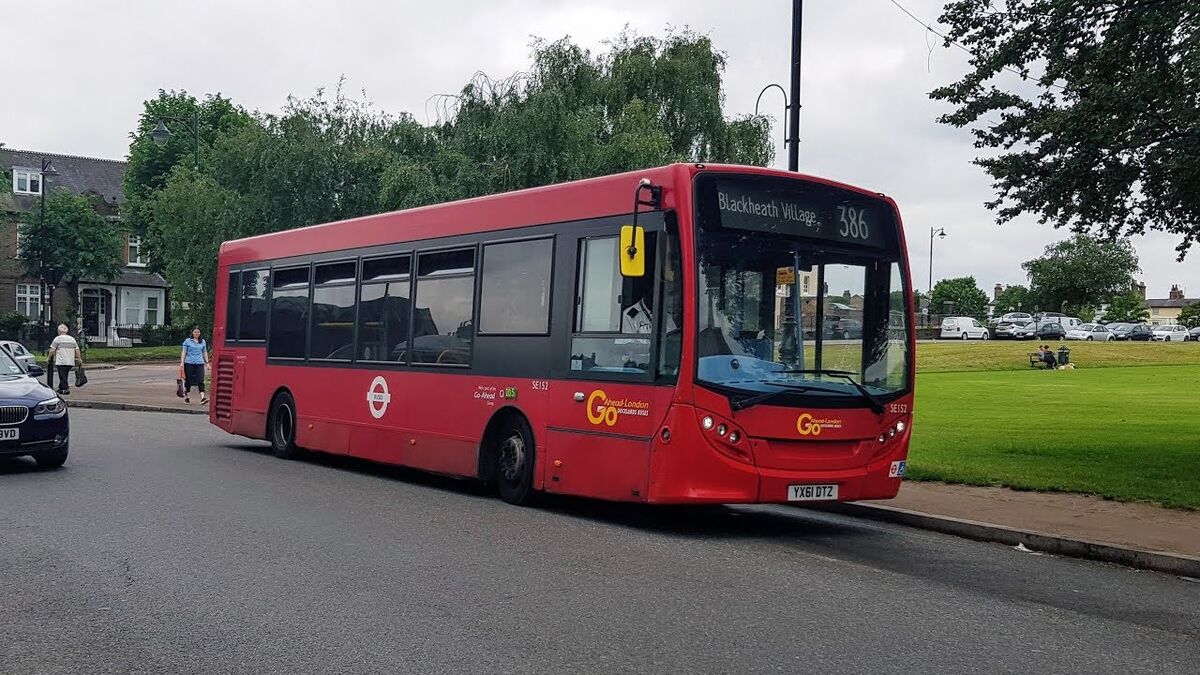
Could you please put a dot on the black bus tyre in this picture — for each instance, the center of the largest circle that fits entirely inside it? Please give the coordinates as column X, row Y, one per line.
column 515, row 457
column 52, row 459
column 281, row 427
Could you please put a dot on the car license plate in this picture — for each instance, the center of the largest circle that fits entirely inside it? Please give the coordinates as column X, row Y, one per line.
column 10, row 434
column 812, row 493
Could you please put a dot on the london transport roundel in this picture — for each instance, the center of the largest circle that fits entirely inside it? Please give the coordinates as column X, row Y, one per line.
column 378, row 397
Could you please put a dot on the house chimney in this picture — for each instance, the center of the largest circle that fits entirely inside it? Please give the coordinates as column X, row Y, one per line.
column 997, row 291
column 1176, row 292
column 1140, row 289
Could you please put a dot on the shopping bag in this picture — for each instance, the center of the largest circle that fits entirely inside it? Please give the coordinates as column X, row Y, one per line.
column 179, row 383
column 80, row 376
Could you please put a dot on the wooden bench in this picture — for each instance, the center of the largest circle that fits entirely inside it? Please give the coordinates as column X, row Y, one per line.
column 1035, row 360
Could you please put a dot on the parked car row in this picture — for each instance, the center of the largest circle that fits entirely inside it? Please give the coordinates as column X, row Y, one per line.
column 1020, row 326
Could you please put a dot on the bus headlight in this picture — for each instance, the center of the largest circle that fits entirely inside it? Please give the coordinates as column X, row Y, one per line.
column 707, row 423
column 900, row 426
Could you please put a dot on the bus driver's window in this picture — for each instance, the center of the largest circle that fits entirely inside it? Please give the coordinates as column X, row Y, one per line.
column 612, row 306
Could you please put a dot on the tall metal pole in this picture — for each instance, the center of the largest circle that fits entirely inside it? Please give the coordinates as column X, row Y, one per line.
column 794, row 99
column 931, row 262
column 791, row 349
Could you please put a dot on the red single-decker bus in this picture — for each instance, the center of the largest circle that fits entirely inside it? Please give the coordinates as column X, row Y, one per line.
column 684, row 334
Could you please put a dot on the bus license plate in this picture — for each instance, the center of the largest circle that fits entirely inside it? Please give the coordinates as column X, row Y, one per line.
column 812, row 493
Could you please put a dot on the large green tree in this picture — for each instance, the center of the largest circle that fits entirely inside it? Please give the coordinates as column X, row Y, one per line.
column 960, row 296
column 1081, row 272
column 1190, row 316
column 645, row 102
column 73, row 239
column 150, row 163
column 1126, row 307
column 1089, row 112
column 1015, row 298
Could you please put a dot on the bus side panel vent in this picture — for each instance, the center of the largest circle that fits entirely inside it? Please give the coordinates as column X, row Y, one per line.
column 223, row 401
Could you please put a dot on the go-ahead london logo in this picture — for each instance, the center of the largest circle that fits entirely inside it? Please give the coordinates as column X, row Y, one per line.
column 378, row 397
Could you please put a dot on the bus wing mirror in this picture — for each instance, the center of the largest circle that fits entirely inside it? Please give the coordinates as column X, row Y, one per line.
column 633, row 251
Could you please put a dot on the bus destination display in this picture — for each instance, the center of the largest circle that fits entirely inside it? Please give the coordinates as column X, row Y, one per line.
column 803, row 210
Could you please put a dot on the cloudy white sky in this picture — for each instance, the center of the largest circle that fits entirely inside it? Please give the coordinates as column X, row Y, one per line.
column 867, row 69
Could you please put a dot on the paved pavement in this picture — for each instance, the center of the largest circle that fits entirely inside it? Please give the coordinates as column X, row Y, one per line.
column 166, row 546
column 151, row 384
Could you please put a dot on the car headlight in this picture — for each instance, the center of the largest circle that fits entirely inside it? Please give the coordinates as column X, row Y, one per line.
column 51, row 406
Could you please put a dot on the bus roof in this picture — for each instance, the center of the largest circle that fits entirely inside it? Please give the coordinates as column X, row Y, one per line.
column 562, row 202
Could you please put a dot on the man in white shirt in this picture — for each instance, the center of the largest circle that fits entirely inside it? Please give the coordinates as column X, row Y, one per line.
column 64, row 352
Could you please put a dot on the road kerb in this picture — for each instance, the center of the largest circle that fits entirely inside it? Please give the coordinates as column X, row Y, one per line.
column 136, row 407
column 1168, row 563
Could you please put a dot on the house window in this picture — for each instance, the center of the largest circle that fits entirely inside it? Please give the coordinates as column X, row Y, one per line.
column 27, row 182
column 29, row 300
column 140, row 308
column 152, row 310
column 135, row 252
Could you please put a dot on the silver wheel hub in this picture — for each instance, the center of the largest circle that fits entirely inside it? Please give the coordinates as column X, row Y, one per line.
column 512, row 457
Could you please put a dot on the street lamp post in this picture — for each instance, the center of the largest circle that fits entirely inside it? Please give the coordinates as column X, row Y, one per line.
column 939, row 232
column 161, row 134
column 47, row 171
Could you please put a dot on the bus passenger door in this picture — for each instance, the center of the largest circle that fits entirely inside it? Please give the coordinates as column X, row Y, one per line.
column 604, row 408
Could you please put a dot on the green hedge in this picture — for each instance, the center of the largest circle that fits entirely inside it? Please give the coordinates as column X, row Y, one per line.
column 158, row 336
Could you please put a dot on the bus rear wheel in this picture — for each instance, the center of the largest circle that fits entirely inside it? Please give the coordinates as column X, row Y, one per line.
column 281, row 427
column 515, row 456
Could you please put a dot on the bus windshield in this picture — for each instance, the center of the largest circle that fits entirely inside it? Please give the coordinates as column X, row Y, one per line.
column 802, row 291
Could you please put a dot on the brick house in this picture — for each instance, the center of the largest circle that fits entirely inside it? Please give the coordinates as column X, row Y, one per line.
column 135, row 297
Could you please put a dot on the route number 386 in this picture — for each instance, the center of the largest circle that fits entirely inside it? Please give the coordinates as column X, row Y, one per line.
column 853, row 222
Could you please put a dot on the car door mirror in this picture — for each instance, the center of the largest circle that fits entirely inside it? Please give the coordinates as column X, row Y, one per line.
column 35, row 370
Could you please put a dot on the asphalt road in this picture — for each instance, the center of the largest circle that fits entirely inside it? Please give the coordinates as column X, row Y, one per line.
column 165, row 546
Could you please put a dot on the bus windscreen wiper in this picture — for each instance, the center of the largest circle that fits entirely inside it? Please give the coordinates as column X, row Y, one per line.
column 873, row 402
column 743, row 403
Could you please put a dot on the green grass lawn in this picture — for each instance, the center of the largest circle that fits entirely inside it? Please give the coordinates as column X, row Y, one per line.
column 1125, row 433
column 958, row 356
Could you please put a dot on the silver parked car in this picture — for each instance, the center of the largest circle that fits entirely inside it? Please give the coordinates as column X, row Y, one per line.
column 19, row 353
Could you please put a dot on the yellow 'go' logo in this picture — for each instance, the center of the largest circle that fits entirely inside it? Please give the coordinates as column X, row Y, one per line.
column 600, row 413
column 807, row 427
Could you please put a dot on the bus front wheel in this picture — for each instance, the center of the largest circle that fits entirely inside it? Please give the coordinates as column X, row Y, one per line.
column 281, row 427
column 514, row 459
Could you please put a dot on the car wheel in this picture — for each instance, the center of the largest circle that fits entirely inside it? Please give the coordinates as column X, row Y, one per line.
column 515, row 457
column 281, row 427
column 965, row 336
column 1089, row 338
column 51, row 460
column 986, row 335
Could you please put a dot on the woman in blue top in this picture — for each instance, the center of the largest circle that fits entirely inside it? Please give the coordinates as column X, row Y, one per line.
column 193, row 360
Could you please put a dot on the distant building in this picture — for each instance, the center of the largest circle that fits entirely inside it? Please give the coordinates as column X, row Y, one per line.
column 136, row 297
column 1166, row 311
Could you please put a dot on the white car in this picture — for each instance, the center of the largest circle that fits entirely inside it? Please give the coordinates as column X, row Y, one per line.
column 19, row 354
column 1089, row 332
column 963, row 327
column 1170, row 333
column 1016, row 317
